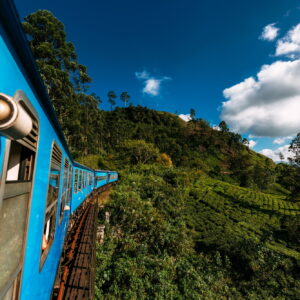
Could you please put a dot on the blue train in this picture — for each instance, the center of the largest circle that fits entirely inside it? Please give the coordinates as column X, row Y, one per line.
column 40, row 184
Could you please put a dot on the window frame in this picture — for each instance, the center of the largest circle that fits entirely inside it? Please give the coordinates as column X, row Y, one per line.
column 76, row 177
column 80, row 180
column 52, row 207
column 65, row 187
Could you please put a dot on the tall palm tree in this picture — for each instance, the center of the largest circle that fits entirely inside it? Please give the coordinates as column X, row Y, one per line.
column 111, row 98
column 125, row 97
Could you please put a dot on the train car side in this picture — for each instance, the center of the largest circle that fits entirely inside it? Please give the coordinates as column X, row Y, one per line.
column 41, row 186
column 101, row 178
column 83, row 184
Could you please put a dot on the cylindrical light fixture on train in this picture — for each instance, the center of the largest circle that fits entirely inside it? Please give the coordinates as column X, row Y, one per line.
column 15, row 122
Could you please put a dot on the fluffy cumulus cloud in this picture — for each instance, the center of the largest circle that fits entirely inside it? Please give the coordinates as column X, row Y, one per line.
column 275, row 154
column 289, row 45
column 282, row 140
column 186, row 117
column 270, row 32
column 267, row 105
column 152, row 85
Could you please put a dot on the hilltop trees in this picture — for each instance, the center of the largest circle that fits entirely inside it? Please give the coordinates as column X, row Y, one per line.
column 125, row 98
column 295, row 150
column 223, row 126
column 111, row 99
column 192, row 114
column 295, row 161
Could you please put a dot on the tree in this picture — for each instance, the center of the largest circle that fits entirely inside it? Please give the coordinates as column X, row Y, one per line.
column 165, row 160
column 223, row 126
column 97, row 98
column 139, row 151
column 245, row 142
column 56, row 59
column 295, row 150
column 281, row 156
column 111, row 99
column 65, row 80
column 295, row 161
column 124, row 97
column 192, row 114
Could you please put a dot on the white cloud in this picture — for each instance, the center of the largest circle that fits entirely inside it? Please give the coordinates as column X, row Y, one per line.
column 142, row 75
column 252, row 144
column 290, row 44
column 152, row 85
column 267, row 105
column 274, row 154
column 270, row 32
column 216, row 127
column 282, row 140
column 186, row 117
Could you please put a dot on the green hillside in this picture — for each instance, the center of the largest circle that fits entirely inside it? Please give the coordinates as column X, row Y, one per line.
column 221, row 154
column 179, row 234
column 204, row 217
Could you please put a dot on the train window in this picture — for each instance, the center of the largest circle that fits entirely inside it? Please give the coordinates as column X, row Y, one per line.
column 76, row 181
column 80, row 180
column 20, row 163
column 69, row 185
column 51, row 204
column 99, row 178
column 65, row 190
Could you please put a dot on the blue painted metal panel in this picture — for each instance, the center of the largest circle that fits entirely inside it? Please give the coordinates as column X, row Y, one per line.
column 81, row 194
column 2, row 151
column 36, row 284
column 102, row 182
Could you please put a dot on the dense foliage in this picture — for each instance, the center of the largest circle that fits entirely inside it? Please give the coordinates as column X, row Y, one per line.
column 177, row 234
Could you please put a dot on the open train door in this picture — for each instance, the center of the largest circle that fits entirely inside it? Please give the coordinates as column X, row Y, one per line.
column 18, row 144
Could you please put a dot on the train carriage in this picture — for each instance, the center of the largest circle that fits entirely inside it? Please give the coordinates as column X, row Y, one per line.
column 40, row 184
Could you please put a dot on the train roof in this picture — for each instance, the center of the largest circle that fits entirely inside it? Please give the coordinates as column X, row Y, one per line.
column 105, row 171
column 19, row 47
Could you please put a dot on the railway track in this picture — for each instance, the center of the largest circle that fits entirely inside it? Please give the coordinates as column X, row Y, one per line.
column 77, row 271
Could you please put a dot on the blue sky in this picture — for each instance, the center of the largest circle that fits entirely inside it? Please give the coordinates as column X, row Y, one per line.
column 175, row 55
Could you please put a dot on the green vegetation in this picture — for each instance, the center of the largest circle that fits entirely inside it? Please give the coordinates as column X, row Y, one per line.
column 196, row 214
column 177, row 234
